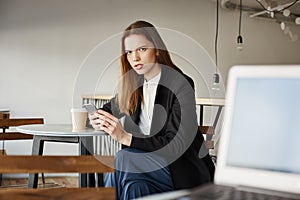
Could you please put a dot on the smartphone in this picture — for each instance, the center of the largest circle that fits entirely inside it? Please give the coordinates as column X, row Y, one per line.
column 91, row 108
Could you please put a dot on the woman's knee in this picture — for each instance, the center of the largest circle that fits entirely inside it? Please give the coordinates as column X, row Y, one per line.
column 138, row 189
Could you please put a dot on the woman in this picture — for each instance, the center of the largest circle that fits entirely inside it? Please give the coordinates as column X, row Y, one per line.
column 159, row 135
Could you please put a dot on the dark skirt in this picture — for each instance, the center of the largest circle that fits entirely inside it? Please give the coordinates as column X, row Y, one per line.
column 134, row 178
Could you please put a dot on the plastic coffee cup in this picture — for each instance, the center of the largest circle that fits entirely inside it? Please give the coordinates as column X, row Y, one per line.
column 79, row 118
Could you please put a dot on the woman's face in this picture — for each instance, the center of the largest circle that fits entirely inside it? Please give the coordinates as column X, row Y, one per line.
column 141, row 55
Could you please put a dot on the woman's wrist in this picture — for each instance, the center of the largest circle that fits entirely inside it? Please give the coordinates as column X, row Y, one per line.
column 126, row 139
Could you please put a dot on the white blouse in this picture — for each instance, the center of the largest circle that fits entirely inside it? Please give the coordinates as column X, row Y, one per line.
column 149, row 93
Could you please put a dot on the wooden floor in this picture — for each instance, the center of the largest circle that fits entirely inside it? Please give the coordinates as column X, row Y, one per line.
column 68, row 181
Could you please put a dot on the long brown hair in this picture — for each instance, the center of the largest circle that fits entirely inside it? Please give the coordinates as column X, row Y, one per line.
column 129, row 92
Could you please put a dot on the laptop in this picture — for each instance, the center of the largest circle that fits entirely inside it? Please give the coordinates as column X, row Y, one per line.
column 259, row 149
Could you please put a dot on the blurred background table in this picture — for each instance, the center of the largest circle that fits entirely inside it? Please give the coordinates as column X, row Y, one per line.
column 62, row 133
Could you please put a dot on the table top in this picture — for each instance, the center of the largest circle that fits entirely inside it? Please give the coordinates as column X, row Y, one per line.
column 57, row 130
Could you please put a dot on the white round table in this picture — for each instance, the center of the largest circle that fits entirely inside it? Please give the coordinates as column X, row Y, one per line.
column 61, row 133
column 57, row 130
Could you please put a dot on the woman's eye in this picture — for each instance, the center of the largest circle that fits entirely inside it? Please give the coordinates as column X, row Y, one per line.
column 142, row 49
column 128, row 52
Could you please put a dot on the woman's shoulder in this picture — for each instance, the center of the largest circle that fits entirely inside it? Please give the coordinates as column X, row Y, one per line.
column 189, row 79
column 175, row 78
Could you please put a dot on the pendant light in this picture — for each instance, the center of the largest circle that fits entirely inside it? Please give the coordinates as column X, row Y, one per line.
column 240, row 38
column 216, row 76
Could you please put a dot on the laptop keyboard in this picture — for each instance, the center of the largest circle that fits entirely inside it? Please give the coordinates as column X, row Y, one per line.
column 224, row 192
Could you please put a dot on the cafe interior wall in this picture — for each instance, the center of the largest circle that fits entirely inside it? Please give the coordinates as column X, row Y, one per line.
column 46, row 45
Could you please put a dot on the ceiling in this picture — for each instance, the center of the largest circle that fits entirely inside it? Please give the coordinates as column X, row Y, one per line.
column 256, row 10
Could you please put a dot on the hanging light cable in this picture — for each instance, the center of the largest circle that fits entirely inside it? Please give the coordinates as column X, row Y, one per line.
column 216, row 77
column 240, row 38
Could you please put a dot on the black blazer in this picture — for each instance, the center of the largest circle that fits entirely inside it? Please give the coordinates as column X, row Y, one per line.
column 174, row 132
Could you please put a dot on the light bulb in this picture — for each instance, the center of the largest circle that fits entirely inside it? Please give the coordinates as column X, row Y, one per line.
column 286, row 12
column 282, row 26
column 297, row 20
column 239, row 43
column 216, row 82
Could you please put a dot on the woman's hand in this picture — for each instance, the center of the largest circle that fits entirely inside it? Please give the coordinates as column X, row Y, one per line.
column 106, row 122
column 94, row 122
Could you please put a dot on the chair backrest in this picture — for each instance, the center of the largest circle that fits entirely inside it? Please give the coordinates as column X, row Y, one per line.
column 208, row 132
column 6, row 123
column 4, row 114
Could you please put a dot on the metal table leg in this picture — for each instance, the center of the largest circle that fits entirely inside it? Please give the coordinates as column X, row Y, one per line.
column 38, row 147
column 86, row 148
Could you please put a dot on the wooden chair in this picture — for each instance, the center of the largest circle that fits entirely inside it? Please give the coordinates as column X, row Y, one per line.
column 6, row 123
column 57, row 164
column 13, row 122
column 208, row 132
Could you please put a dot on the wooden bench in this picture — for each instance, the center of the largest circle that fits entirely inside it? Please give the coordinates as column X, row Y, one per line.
column 59, row 193
column 57, row 164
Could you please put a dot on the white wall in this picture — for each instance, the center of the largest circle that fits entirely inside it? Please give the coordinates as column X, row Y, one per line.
column 43, row 45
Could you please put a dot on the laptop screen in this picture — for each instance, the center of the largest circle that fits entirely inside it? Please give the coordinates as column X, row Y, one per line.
column 265, row 131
